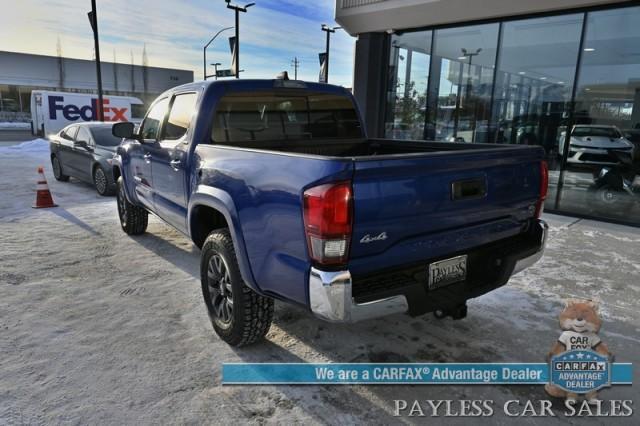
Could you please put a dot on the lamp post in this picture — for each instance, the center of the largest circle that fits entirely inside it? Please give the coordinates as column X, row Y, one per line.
column 215, row 69
column 329, row 30
column 204, row 50
column 93, row 20
column 470, row 55
column 237, row 9
column 466, row 54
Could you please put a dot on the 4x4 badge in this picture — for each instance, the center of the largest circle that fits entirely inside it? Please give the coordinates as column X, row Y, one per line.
column 369, row 239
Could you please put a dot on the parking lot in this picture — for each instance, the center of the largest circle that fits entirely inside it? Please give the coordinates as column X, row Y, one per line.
column 99, row 327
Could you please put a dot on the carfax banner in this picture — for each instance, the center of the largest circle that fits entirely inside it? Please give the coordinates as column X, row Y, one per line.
column 577, row 375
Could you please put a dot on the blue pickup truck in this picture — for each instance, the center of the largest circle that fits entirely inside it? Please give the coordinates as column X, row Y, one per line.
column 278, row 184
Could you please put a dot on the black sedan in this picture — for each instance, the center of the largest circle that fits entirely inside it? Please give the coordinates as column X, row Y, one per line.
column 85, row 151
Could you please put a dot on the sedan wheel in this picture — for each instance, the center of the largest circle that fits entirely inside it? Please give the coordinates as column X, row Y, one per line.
column 101, row 182
column 57, row 170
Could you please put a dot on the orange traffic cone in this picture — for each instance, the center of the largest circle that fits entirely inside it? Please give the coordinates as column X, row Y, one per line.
column 43, row 195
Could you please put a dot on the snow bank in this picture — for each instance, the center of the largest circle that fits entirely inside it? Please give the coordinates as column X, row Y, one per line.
column 12, row 125
column 36, row 145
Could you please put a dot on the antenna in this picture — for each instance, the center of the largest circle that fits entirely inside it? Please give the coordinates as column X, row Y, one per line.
column 295, row 63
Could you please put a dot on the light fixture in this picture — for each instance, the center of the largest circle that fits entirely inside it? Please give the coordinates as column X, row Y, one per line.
column 543, row 78
column 522, row 73
column 561, row 82
column 589, row 49
column 462, row 58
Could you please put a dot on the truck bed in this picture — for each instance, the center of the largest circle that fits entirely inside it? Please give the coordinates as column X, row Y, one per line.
column 402, row 189
column 354, row 148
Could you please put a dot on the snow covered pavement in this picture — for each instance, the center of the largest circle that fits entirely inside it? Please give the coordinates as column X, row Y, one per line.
column 97, row 327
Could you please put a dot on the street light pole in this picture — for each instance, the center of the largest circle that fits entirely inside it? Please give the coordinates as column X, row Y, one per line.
column 329, row 30
column 204, row 50
column 215, row 69
column 237, row 10
column 93, row 19
column 470, row 55
column 466, row 54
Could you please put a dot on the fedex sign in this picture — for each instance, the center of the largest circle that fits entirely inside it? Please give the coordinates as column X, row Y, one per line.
column 73, row 112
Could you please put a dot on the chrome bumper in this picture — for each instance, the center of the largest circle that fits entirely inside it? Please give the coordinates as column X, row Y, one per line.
column 330, row 292
column 330, row 299
column 525, row 262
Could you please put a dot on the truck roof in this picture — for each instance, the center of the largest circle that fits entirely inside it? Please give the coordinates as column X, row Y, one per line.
column 260, row 84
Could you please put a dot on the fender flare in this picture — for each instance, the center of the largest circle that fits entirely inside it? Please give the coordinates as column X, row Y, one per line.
column 117, row 164
column 221, row 201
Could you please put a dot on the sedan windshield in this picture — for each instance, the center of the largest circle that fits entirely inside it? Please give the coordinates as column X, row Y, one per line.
column 605, row 132
column 104, row 137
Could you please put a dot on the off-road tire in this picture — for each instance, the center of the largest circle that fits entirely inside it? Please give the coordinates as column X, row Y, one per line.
column 251, row 313
column 133, row 219
column 57, row 169
column 102, row 182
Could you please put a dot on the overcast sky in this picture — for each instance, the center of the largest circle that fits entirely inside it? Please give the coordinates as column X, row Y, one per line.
column 273, row 32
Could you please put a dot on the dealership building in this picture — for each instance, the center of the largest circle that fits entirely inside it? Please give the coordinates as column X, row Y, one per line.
column 21, row 73
column 510, row 72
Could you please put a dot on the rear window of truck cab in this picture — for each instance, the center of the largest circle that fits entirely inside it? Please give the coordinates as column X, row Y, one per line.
column 268, row 116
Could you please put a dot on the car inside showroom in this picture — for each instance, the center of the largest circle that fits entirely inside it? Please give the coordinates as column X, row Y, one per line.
column 520, row 79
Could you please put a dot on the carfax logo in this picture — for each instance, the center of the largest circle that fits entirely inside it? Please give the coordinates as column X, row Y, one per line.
column 580, row 372
column 579, row 360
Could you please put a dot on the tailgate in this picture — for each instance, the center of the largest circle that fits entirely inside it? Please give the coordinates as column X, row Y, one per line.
column 413, row 207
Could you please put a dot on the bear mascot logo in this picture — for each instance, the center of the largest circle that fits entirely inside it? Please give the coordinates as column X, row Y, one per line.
column 580, row 323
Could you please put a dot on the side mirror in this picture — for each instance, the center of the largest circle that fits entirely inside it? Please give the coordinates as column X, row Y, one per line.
column 124, row 129
column 81, row 144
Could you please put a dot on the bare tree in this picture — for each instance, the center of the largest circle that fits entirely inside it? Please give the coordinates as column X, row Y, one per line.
column 133, row 76
column 145, row 69
column 115, row 70
column 60, row 64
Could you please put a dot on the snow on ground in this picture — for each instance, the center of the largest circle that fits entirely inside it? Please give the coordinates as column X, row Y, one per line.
column 97, row 327
column 14, row 125
column 33, row 146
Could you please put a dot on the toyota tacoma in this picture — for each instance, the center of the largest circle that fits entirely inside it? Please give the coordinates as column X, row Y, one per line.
column 278, row 185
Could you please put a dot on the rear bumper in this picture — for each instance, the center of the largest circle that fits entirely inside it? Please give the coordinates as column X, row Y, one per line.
column 332, row 298
column 525, row 262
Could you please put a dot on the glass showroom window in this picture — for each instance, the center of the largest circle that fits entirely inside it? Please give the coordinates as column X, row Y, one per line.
column 462, row 70
column 410, row 57
column 534, row 84
column 603, row 153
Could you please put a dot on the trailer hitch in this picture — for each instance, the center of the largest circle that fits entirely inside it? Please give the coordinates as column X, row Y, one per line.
column 456, row 313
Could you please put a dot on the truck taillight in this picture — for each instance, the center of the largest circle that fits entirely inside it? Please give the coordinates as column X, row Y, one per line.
column 328, row 216
column 544, row 183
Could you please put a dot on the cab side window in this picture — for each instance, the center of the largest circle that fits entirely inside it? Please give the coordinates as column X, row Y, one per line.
column 180, row 116
column 152, row 123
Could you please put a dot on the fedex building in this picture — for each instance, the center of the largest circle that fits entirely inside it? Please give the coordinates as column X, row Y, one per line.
column 514, row 72
column 21, row 74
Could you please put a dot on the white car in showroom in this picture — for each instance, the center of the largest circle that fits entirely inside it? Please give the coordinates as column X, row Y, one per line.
column 591, row 144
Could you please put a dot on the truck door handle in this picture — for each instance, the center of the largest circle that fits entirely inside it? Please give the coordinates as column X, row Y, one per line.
column 147, row 158
column 175, row 164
